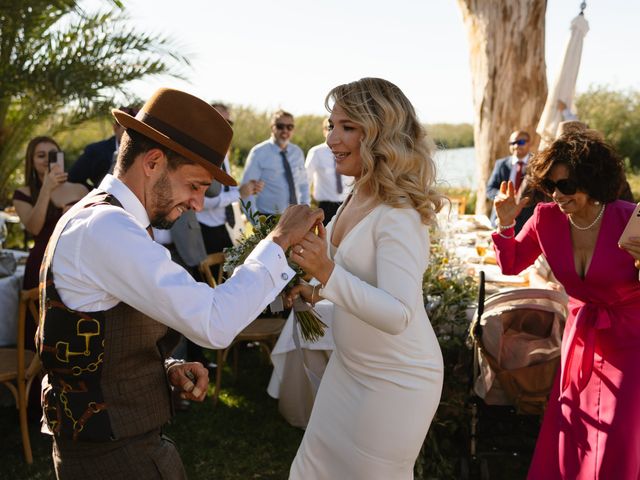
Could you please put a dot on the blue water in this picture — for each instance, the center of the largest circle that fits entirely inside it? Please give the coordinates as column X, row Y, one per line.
column 456, row 167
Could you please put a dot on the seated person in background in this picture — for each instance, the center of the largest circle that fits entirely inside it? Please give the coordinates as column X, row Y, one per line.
column 39, row 204
column 99, row 158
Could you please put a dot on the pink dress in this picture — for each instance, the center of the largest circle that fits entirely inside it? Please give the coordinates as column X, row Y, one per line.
column 591, row 429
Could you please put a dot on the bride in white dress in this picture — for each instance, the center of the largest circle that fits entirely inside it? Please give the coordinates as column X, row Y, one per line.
column 383, row 382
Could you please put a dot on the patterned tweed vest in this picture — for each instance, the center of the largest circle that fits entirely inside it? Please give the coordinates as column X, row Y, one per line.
column 105, row 371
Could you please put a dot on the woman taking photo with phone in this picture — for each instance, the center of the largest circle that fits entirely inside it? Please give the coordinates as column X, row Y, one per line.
column 591, row 427
column 41, row 202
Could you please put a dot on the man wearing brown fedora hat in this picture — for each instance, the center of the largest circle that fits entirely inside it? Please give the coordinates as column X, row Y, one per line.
column 113, row 302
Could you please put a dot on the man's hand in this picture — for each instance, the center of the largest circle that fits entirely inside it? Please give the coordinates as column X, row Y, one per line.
column 252, row 187
column 183, row 375
column 294, row 223
column 311, row 254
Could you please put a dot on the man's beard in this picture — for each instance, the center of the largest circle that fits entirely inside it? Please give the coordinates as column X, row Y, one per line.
column 163, row 195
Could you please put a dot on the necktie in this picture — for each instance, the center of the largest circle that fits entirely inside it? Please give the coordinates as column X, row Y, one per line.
column 228, row 210
column 519, row 174
column 338, row 182
column 289, row 176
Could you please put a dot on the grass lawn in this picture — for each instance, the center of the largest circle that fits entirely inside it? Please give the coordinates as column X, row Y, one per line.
column 243, row 437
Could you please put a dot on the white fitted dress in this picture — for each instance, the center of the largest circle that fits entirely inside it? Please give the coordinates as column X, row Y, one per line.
column 383, row 382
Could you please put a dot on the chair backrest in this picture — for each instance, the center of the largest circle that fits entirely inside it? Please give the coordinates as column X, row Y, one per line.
column 207, row 268
column 460, row 201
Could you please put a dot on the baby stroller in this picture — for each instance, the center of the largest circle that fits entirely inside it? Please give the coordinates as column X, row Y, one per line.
column 516, row 336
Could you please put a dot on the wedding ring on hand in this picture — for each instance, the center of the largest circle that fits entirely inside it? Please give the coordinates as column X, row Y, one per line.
column 300, row 251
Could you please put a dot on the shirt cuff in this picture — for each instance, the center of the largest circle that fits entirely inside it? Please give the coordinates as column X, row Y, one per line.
column 272, row 257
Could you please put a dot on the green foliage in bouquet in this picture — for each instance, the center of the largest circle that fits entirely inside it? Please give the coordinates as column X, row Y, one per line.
column 311, row 327
column 448, row 292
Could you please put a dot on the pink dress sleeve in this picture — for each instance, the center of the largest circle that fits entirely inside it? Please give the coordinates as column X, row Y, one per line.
column 516, row 254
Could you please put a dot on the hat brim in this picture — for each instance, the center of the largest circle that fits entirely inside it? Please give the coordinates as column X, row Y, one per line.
column 128, row 121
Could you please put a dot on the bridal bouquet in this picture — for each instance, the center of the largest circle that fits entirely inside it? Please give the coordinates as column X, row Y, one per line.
column 311, row 327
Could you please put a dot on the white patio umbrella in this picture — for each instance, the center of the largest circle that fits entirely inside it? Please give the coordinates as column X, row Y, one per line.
column 564, row 87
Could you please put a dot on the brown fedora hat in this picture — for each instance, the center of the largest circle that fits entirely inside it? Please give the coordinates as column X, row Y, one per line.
column 185, row 124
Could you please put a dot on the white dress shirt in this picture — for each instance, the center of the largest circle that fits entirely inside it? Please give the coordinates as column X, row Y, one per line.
column 105, row 256
column 321, row 171
column 212, row 214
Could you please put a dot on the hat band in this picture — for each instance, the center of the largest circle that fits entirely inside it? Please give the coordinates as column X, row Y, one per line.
column 182, row 138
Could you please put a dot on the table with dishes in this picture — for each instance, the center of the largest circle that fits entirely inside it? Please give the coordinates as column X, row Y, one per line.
column 10, row 286
column 290, row 383
column 469, row 238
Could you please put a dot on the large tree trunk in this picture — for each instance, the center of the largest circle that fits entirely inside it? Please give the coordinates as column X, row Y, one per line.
column 506, row 39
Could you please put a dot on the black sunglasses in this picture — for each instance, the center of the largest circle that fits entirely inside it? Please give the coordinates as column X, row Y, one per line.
column 282, row 126
column 520, row 142
column 566, row 186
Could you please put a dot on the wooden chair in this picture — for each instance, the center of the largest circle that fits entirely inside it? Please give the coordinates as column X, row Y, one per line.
column 18, row 366
column 211, row 268
column 461, row 200
column 264, row 331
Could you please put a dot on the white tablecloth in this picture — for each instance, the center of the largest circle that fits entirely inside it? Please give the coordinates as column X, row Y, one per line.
column 9, row 296
column 289, row 382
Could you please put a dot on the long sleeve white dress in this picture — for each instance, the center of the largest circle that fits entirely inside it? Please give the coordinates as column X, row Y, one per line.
column 383, row 382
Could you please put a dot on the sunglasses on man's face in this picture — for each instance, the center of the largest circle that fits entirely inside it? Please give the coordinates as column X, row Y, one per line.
column 520, row 142
column 282, row 126
column 566, row 186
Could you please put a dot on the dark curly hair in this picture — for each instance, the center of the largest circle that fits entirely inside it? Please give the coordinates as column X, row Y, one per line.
column 592, row 163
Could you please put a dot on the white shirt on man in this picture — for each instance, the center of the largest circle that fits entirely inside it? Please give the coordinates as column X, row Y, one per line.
column 321, row 171
column 105, row 256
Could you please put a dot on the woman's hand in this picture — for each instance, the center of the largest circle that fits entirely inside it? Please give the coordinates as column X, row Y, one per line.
column 309, row 294
column 506, row 204
column 311, row 254
column 632, row 247
column 53, row 178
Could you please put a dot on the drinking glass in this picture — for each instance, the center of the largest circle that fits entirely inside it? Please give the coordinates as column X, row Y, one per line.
column 482, row 245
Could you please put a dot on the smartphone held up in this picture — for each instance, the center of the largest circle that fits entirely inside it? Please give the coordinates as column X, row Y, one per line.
column 56, row 158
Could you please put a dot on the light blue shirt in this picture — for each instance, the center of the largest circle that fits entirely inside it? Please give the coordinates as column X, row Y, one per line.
column 265, row 163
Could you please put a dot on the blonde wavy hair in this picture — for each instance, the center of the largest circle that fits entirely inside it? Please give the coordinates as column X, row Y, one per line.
column 397, row 154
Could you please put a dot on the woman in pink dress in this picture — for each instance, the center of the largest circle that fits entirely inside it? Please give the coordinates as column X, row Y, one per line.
column 591, row 428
